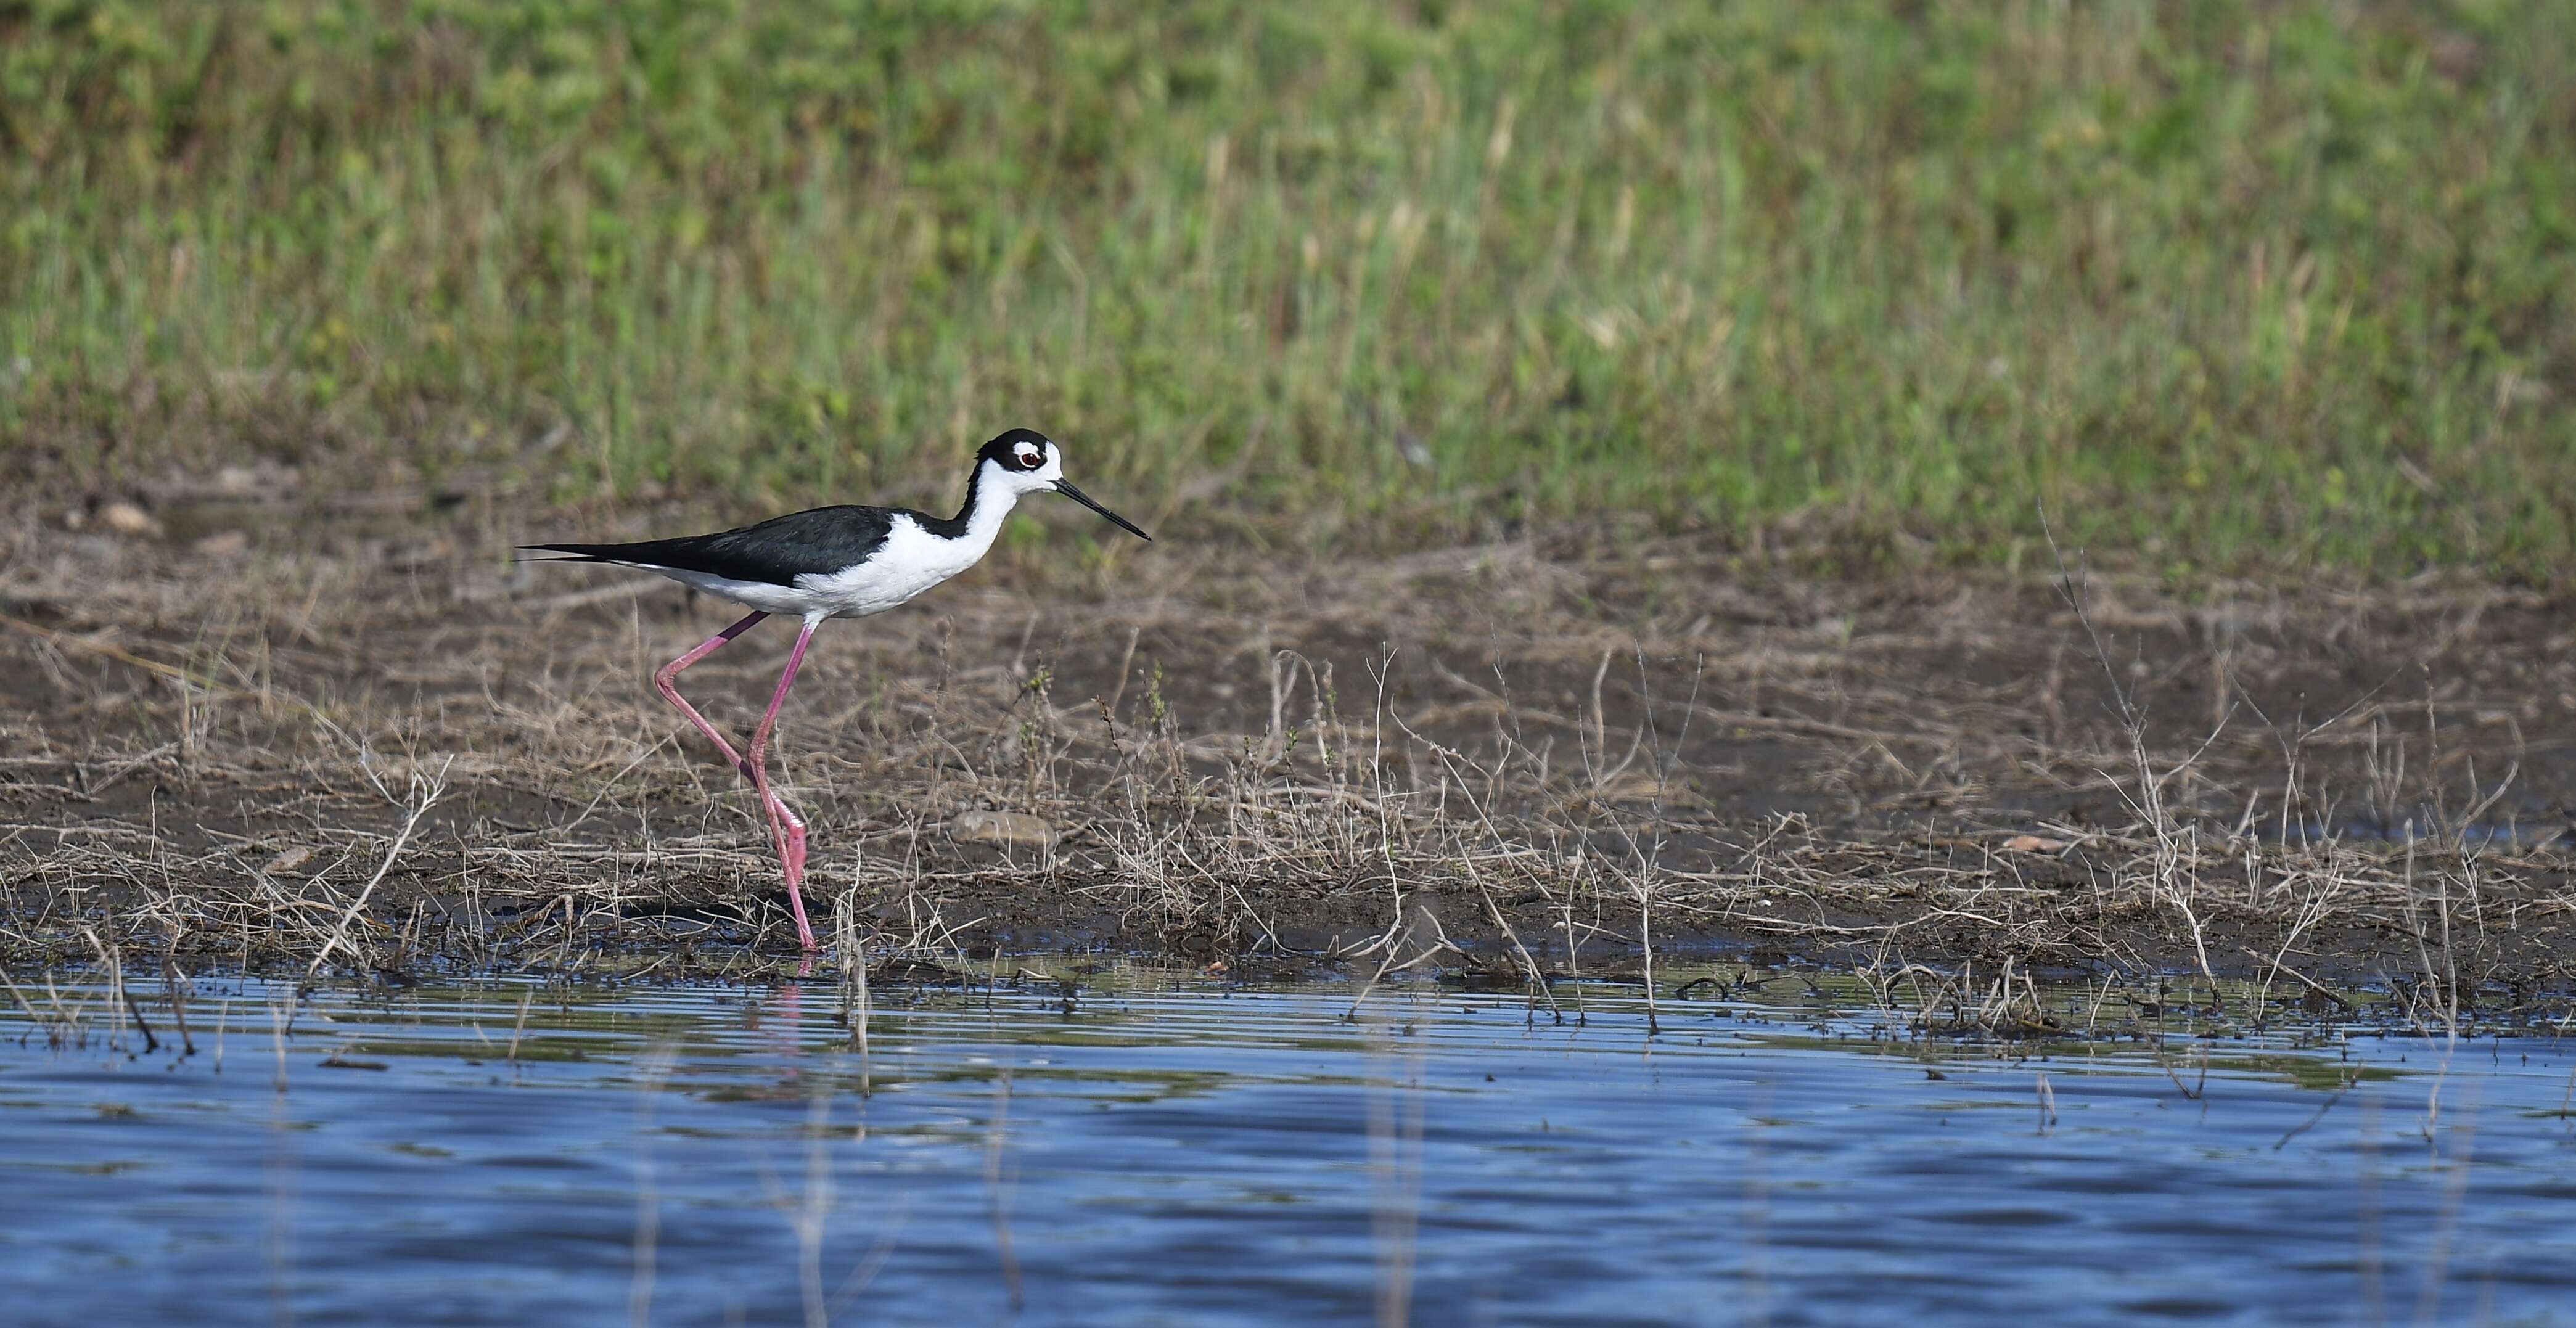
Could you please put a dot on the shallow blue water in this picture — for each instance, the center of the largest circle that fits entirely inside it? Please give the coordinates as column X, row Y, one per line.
column 1187, row 1153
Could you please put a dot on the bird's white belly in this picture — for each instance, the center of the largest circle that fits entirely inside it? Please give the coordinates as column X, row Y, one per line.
column 910, row 561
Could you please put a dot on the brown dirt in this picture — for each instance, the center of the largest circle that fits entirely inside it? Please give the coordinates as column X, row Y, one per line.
column 1560, row 743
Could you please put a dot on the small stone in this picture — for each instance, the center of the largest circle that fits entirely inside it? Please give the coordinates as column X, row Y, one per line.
column 288, row 861
column 126, row 518
column 223, row 544
column 987, row 827
column 2034, row 844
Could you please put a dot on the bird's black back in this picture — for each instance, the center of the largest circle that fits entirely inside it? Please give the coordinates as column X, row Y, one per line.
column 775, row 552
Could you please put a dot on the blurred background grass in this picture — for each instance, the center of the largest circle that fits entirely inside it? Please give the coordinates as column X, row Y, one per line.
column 2231, row 286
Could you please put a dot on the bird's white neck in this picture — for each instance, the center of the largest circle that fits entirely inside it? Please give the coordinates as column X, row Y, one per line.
column 988, row 505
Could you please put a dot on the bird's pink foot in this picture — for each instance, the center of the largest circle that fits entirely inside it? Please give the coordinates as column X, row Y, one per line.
column 804, row 929
column 791, row 867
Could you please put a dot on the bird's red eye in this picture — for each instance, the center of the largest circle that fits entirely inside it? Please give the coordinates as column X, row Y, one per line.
column 1031, row 456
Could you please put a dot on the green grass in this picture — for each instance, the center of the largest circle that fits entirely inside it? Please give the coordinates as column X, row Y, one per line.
column 2230, row 286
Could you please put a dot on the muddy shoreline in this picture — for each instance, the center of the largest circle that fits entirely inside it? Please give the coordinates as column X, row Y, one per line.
column 1566, row 752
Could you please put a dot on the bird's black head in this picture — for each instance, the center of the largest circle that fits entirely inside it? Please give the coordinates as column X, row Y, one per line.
column 1018, row 451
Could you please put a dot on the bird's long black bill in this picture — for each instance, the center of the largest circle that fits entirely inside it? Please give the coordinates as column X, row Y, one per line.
column 1114, row 519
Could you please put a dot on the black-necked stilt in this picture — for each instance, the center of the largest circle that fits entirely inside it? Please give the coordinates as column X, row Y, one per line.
column 833, row 562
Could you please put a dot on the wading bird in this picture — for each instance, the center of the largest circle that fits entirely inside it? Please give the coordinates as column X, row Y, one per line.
column 833, row 562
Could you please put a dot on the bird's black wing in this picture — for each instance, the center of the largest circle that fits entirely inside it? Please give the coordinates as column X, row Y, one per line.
column 774, row 552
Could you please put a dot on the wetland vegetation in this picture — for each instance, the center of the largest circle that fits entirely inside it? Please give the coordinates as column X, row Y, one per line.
column 2228, row 286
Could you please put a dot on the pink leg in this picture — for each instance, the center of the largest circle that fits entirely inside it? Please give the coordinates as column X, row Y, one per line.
column 759, row 761
column 786, row 831
column 667, row 680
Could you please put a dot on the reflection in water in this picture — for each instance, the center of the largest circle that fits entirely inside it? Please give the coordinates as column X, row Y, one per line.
column 1170, row 1150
